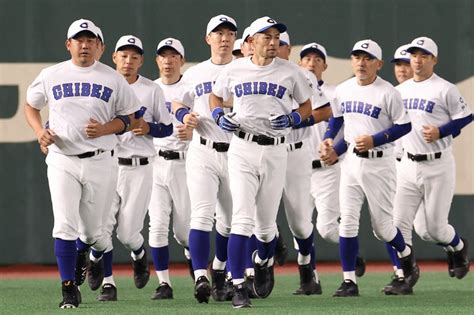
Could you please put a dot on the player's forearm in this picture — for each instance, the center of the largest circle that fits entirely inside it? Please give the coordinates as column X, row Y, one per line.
column 321, row 113
column 215, row 101
column 454, row 126
column 33, row 118
column 118, row 126
column 335, row 124
column 304, row 110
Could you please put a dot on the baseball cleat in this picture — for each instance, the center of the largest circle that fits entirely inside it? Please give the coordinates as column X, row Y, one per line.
column 410, row 268
column 347, row 289
column 163, row 292
column 108, row 293
column 95, row 274
column 308, row 284
column 264, row 278
column 202, row 290
column 141, row 271
column 450, row 258
column 249, row 280
column 461, row 261
column 229, row 289
column 81, row 267
column 281, row 251
column 79, row 295
column 218, row 288
column 240, row 298
column 398, row 286
column 69, row 290
column 360, row 266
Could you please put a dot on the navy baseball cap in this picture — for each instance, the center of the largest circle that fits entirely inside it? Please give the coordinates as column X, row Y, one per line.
column 219, row 20
column 369, row 47
column 401, row 54
column 264, row 23
column 81, row 25
column 426, row 44
column 129, row 40
column 315, row 48
column 170, row 43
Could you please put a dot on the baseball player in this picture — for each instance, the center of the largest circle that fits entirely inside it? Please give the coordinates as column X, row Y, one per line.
column 170, row 194
column 427, row 170
column 296, row 191
column 101, row 49
column 325, row 178
column 88, row 104
column 135, row 151
column 236, row 51
column 206, row 162
column 263, row 88
column 371, row 110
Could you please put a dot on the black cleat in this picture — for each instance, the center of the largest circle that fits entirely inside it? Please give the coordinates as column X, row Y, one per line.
column 360, row 266
column 240, row 297
column 79, row 295
column 202, row 290
column 108, row 293
column 264, row 278
column 347, row 289
column 69, row 290
column 229, row 289
column 411, row 271
column 450, row 256
column 281, row 250
column 461, row 261
column 141, row 271
column 250, row 288
column 81, row 267
column 308, row 284
column 190, row 267
column 95, row 274
column 218, row 289
column 163, row 292
column 398, row 286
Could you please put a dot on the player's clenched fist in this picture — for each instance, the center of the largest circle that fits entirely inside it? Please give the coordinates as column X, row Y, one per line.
column 364, row 143
column 141, row 127
column 46, row 138
column 94, row 129
column 430, row 133
column 191, row 120
column 183, row 133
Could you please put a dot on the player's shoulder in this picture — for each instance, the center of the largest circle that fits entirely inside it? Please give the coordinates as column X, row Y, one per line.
column 53, row 69
column 286, row 64
column 347, row 84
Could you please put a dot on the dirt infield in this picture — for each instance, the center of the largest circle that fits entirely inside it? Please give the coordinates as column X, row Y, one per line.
column 51, row 271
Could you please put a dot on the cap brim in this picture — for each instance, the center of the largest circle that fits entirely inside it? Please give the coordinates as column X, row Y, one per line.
column 283, row 43
column 313, row 50
column 227, row 24
column 413, row 48
column 360, row 51
column 167, row 46
column 83, row 32
column 280, row 27
column 130, row 46
column 394, row 60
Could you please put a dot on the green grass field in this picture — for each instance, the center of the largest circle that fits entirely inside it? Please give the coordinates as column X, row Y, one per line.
column 435, row 293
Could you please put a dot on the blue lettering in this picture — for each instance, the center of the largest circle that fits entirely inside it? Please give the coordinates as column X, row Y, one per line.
column 67, row 90
column 77, row 87
column 96, row 90
column 421, row 104
column 410, row 105
column 255, row 88
column 106, row 94
column 343, row 108
column 168, row 106
column 375, row 112
column 86, row 89
column 415, row 103
column 207, row 87
column 360, row 107
column 238, row 90
column 281, row 92
column 199, row 90
column 272, row 89
column 263, row 88
column 247, row 88
column 429, row 107
column 367, row 109
column 57, row 93
column 348, row 106
column 405, row 103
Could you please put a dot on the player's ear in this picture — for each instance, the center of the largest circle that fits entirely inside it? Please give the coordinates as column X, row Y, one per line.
column 183, row 61
column 207, row 40
column 114, row 56
column 141, row 60
column 380, row 64
column 67, row 44
column 435, row 60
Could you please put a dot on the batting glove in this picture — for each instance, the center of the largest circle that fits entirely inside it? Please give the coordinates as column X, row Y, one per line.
column 285, row 121
column 225, row 122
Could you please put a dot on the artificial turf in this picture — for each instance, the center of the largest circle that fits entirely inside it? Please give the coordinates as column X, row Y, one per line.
column 435, row 293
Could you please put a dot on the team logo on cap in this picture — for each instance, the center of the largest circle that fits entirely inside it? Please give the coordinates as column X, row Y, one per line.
column 84, row 25
column 403, row 52
column 314, row 46
column 271, row 21
column 131, row 40
column 420, row 42
column 169, row 42
column 223, row 19
column 365, row 45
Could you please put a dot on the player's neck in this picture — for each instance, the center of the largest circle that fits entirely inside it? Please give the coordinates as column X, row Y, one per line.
column 132, row 78
column 221, row 59
column 422, row 76
column 172, row 79
column 366, row 81
column 260, row 60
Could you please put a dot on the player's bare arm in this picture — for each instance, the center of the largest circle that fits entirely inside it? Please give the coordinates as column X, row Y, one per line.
column 305, row 109
column 430, row 133
column 141, row 128
column 321, row 114
column 215, row 101
column 45, row 136
column 364, row 143
column 183, row 133
column 328, row 155
column 95, row 129
column 189, row 119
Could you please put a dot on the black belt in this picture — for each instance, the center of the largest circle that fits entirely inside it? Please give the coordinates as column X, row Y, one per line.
column 296, row 146
column 261, row 139
column 133, row 161
column 218, row 146
column 423, row 157
column 319, row 164
column 171, row 155
column 368, row 154
column 86, row 155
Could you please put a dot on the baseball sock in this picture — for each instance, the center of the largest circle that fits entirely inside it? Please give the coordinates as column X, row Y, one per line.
column 138, row 253
column 399, row 244
column 199, row 248
column 250, row 247
column 348, row 248
column 305, row 246
column 313, row 256
column 236, row 249
column 95, row 256
column 66, row 255
column 221, row 252
column 81, row 246
column 457, row 243
column 392, row 253
column 187, row 254
column 160, row 257
column 265, row 251
column 108, row 258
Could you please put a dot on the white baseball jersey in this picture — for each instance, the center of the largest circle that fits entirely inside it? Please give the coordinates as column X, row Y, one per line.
column 318, row 99
column 433, row 101
column 171, row 92
column 199, row 80
column 150, row 96
column 368, row 109
column 271, row 90
column 77, row 94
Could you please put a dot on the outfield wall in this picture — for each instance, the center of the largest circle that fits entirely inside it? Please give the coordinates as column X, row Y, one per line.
column 33, row 35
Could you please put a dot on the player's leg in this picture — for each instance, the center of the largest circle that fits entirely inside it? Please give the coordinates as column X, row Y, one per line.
column 159, row 210
column 65, row 192
column 439, row 180
column 202, row 169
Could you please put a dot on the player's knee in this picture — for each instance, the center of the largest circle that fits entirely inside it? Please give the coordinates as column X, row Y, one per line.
column 223, row 229
column 328, row 233
column 302, row 232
